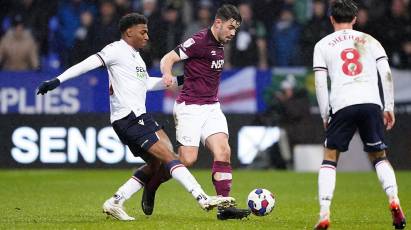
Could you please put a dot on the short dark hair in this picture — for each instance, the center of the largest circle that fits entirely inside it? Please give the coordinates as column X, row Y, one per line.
column 343, row 10
column 130, row 20
column 228, row 11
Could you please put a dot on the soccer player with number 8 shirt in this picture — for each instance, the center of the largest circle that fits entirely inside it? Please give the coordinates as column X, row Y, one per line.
column 352, row 60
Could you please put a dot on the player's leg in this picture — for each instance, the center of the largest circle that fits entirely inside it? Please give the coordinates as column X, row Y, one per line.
column 326, row 186
column 142, row 175
column 221, row 170
column 114, row 205
column 188, row 155
column 189, row 120
column 371, row 128
column 215, row 137
column 179, row 172
column 160, row 176
column 188, row 126
column 149, row 193
column 386, row 176
column 340, row 131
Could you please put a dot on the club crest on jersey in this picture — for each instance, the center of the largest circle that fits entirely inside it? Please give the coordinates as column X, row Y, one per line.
column 188, row 43
column 141, row 72
column 217, row 64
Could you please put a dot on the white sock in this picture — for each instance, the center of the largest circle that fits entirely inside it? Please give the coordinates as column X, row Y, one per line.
column 326, row 186
column 182, row 175
column 129, row 188
column 387, row 179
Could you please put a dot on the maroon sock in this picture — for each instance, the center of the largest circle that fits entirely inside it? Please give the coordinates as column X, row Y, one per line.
column 221, row 176
column 161, row 176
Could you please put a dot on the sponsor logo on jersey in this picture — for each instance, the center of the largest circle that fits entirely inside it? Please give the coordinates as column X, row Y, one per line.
column 141, row 72
column 217, row 64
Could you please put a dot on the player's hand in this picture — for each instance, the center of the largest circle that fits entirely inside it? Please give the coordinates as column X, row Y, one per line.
column 168, row 79
column 325, row 123
column 389, row 119
column 48, row 86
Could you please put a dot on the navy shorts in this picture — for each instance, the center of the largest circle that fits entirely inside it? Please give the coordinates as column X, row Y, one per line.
column 139, row 133
column 367, row 118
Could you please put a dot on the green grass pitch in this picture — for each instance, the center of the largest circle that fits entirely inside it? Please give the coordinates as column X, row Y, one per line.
column 72, row 199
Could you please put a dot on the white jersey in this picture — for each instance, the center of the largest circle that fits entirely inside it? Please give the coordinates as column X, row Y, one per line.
column 127, row 78
column 350, row 58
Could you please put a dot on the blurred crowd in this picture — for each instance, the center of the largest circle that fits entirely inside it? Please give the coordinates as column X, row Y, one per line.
column 41, row 34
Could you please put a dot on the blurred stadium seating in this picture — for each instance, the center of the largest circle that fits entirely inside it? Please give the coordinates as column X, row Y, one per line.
column 67, row 31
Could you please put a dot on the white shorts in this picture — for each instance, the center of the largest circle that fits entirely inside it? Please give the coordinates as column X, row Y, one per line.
column 197, row 122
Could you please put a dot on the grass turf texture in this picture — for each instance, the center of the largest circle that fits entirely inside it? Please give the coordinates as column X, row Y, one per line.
column 72, row 199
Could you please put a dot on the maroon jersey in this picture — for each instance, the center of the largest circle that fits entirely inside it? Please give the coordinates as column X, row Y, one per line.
column 203, row 59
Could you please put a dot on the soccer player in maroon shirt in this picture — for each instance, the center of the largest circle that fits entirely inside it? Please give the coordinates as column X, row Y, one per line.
column 198, row 116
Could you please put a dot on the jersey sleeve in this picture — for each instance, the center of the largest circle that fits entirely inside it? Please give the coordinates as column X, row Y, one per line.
column 319, row 59
column 107, row 55
column 378, row 51
column 190, row 48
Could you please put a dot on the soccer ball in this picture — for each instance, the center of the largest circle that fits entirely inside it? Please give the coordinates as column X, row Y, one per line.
column 261, row 202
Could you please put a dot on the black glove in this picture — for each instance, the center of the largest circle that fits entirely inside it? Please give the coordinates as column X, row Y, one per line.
column 180, row 80
column 48, row 86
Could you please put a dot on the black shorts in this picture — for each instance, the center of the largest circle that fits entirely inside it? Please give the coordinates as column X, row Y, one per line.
column 367, row 118
column 139, row 133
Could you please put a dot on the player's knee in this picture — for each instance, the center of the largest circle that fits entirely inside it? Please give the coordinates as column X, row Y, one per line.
column 223, row 154
column 376, row 157
column 188, row 161
column 166, row 155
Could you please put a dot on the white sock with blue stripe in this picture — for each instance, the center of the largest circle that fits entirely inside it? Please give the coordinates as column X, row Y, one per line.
column 179, row 172
column 326, row 185
column 387, row 179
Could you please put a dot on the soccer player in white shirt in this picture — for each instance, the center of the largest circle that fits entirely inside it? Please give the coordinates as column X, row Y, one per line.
column 351, row 59
column 129, row 83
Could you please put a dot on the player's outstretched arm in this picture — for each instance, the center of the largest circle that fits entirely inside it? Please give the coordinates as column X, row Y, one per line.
column 86, row 65
column 321, row 90
column 156, row 83
column 166, row 65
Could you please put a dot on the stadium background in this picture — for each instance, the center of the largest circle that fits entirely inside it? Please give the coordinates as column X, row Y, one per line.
column 267, row 80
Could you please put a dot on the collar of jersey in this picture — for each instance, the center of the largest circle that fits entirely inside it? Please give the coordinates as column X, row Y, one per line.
column 121, row 40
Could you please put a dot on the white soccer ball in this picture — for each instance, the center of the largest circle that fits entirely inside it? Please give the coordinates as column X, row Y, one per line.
column 261, row 202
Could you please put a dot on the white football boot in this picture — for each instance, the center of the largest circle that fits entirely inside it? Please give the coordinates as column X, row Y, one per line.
column 114, row 207
column 209, row 202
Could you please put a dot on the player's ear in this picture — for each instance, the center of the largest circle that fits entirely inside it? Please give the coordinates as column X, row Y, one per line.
column 332, row 20
column 354, row 21
column 218, row 22
column 129, row 32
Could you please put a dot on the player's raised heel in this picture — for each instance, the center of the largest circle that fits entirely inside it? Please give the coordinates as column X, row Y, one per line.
column 111, row 208
column 323, row 223
column 147, row 201
column 398, row 217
